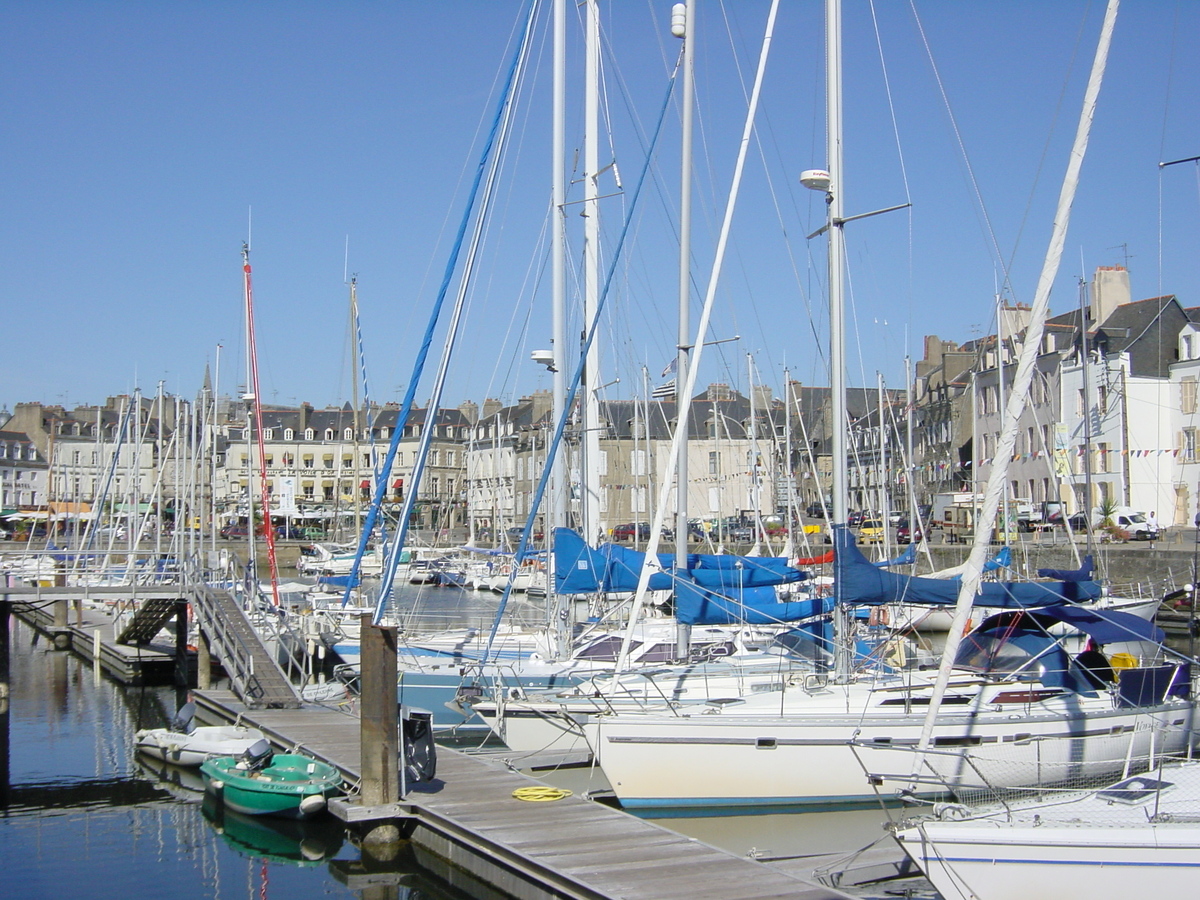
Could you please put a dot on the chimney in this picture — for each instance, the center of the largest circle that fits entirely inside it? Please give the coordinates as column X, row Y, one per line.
column 718, row 391
column 1110, row 289
column 543, row 402
column 491, row 406
column 762, row 396
column 305, row 411
column 469, row 410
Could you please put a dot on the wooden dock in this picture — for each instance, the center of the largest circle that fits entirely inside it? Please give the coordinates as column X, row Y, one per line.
column 90, row 631
column 569, row 848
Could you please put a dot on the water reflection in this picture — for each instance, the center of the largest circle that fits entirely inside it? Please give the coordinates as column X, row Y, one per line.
column 84, row 815
column 296, row 843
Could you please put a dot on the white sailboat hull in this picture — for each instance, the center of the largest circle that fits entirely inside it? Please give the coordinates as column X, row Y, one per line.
column 1018, row 864
column 1124, row 841
column 721, row 761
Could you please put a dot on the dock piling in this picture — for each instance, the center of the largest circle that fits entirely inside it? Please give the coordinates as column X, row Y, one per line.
column 379, row 734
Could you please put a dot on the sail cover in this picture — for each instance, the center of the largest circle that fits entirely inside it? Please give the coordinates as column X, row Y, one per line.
column 713, row 590
column 863, row 583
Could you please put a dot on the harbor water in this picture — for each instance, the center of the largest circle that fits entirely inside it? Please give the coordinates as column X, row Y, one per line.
column 83, row 815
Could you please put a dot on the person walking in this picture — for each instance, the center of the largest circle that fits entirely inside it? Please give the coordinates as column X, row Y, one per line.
column 1152, row 525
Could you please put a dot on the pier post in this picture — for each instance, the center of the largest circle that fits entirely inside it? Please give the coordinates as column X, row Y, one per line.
column 5, row 611
column 379, row 730
column 62, row 638
column 181, row 657
column 203, row 661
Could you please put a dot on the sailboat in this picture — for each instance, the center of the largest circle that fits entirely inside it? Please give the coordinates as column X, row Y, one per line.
column 1048, row 699
column 1137, row 836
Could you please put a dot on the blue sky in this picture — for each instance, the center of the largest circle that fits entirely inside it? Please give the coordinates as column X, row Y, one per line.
column 139, row 135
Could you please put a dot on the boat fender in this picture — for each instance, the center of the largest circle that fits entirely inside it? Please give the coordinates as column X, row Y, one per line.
column 217, row 785
column 312, row 804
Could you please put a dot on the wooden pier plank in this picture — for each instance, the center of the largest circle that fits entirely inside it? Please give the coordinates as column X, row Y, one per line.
column 604, row 852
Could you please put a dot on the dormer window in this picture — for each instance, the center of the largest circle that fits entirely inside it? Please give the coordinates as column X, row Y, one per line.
column 348, row 434
column 268, row 434
column 309, row 434
column 288, row 434
column 329, row 434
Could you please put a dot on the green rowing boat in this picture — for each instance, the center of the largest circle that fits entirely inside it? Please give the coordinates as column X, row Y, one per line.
column 262, row 783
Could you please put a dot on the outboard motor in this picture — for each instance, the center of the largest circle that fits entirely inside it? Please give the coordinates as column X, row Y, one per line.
column 182, row 720
column 418, row 752
column 256, row 756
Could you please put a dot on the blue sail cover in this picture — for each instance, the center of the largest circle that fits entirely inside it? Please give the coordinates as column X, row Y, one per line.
column 625, row 567
column 696, row 605
column 862, row 583
column 907, row 558
column 580, row 569
column 714, row 589
column 1083, row 573
column 1104, row 626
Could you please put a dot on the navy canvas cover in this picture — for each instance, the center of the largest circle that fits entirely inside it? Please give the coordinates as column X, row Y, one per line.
column 696, row 605
column 861, row 583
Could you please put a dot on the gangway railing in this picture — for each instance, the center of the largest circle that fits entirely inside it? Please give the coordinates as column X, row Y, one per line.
column 253, row 673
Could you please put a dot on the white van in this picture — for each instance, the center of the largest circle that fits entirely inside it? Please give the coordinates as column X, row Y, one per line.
column 1127, row 519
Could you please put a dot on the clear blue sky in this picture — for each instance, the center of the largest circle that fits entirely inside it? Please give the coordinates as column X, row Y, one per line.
column 138, row 135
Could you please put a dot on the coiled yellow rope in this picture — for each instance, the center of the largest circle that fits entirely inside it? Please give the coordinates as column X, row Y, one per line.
column 540, row 794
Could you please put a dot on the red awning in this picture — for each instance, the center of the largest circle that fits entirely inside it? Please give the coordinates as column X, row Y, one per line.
column 398, row 483
column 365, row 484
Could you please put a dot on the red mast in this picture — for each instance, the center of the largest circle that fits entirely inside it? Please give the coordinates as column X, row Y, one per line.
column 264, row 491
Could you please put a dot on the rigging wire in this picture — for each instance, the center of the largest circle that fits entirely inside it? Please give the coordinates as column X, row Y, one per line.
column 982, row 208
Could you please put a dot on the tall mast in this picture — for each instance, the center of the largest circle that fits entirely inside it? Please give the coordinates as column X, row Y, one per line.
column 590, row 469
column 354, row 398
column 558, row 326
column 837, row 252
column 1084, row 361
column 837, row 320
column 255, row 405
column 685, row 30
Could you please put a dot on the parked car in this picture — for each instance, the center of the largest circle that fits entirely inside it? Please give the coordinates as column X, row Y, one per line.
column 231, row 532
column 514, row 533
column 906, row 533
column 815, row 511
column 1078, row 522
column 855, row 518
column 871, row 531
column 638, row 531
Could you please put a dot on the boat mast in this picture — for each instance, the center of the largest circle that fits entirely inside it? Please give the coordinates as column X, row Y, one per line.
column 1026, row 363
column 1085, row 357
column 686, row 30
column 255, row 406
column 590, row 469
column 558, row 327
column 211, row 435
column 837, row 317
column 354, row 399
